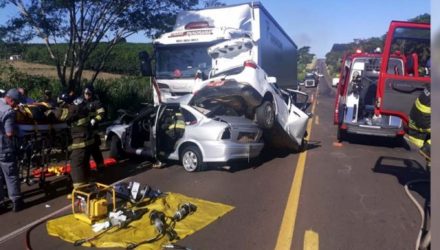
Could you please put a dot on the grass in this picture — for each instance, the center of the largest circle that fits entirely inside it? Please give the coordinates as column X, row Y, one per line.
column 49, row 71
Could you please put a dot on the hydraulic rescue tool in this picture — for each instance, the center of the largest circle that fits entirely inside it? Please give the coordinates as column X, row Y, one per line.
column 92, row 202
column 134, row 193
column 129, row 216
column 159, row 220
column 184, row 210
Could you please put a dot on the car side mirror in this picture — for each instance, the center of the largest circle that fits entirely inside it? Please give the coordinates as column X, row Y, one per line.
column 145, row 63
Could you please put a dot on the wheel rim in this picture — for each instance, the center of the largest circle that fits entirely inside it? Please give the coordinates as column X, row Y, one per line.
column 269, row 115
column 189, row 161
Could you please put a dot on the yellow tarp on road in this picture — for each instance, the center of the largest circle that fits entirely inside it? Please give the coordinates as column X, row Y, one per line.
column 70, row 229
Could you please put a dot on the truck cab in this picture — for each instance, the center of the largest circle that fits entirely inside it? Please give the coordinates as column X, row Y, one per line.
column 376, row 91
column 181, row 56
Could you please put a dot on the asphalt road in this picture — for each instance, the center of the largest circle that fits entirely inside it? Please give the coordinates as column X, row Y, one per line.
column 351, row 197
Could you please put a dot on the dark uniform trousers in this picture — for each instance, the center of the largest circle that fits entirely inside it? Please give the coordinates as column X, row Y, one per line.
column 10, row 175
column 96, row 153
column 97, row 112
column 80, row 168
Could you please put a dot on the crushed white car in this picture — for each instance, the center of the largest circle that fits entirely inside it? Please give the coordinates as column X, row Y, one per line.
column 250, row 91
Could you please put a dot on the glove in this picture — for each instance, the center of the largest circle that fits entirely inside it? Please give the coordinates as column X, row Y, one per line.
column 93, row 122
column 100, row 226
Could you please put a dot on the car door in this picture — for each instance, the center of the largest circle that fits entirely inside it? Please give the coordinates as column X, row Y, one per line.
column 161, row 139
column 297, row 119
column 282, row 110
column 398, row 89
column 155, row 127
column 340, row 99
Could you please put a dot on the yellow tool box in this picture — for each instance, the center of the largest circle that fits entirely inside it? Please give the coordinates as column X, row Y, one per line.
column 92, row 202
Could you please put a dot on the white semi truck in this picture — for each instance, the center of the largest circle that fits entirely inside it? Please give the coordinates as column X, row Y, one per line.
column 182, row 61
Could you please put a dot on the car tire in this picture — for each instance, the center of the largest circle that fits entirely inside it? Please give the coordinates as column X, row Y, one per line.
column 265, row 115
column 115, row 148
column 192, row 159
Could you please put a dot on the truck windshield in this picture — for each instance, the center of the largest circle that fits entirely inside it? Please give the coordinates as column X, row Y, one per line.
column 182, row 61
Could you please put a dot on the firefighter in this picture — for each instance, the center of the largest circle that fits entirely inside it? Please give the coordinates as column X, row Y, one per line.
column 96, row 114
column 77, row 115
column 419, row 126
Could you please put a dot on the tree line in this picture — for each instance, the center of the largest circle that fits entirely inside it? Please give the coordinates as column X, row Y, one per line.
column 123, row 59
column 334, row 57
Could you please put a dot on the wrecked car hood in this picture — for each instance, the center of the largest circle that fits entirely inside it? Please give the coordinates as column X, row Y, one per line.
column 244, row 99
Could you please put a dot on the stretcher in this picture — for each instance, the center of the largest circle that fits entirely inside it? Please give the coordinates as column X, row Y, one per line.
column 31, row 129
column 39, row 144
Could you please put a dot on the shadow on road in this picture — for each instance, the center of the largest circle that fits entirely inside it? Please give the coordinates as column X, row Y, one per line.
column 125, row 168
column 36, row 194
column 267, row 154
column 377, row 141
column 57, row 186
column 405, row 170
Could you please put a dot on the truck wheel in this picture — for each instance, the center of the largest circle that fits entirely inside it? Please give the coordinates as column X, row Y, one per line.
column 192, row 159
column 265, row 115
column 116, row 148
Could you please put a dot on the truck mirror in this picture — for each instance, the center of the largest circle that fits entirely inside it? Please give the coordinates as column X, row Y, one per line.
column 145, row 63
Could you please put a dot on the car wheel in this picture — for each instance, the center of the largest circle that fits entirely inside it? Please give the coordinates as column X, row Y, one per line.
column 115, row 148
column 265, row 115
column 192, row 159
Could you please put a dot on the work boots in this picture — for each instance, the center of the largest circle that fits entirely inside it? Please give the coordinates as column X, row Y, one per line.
column 17, row 206
column 425, row 150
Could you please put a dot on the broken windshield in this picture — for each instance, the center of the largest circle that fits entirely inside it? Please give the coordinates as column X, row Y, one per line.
column 182, row 61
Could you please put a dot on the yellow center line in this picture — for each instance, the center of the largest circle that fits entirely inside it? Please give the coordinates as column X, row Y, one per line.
column 311, row 240
column 285, row 235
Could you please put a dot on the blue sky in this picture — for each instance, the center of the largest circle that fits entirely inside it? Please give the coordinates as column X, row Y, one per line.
column 321, row 23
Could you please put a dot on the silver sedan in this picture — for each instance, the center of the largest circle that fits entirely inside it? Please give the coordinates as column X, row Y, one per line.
column 191, row 135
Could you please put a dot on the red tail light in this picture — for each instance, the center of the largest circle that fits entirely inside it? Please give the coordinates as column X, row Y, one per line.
column 401, row 132
column 251, row 64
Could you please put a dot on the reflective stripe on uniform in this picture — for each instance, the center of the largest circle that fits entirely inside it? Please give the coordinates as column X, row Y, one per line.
column 100, row 111
column 64, row 114
column 81, row 144
column 177, row 125
column 98, row 117
column 82, row 121
column 422, row 108
column 28, row 111
column 416, row 141
column 421, row 130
